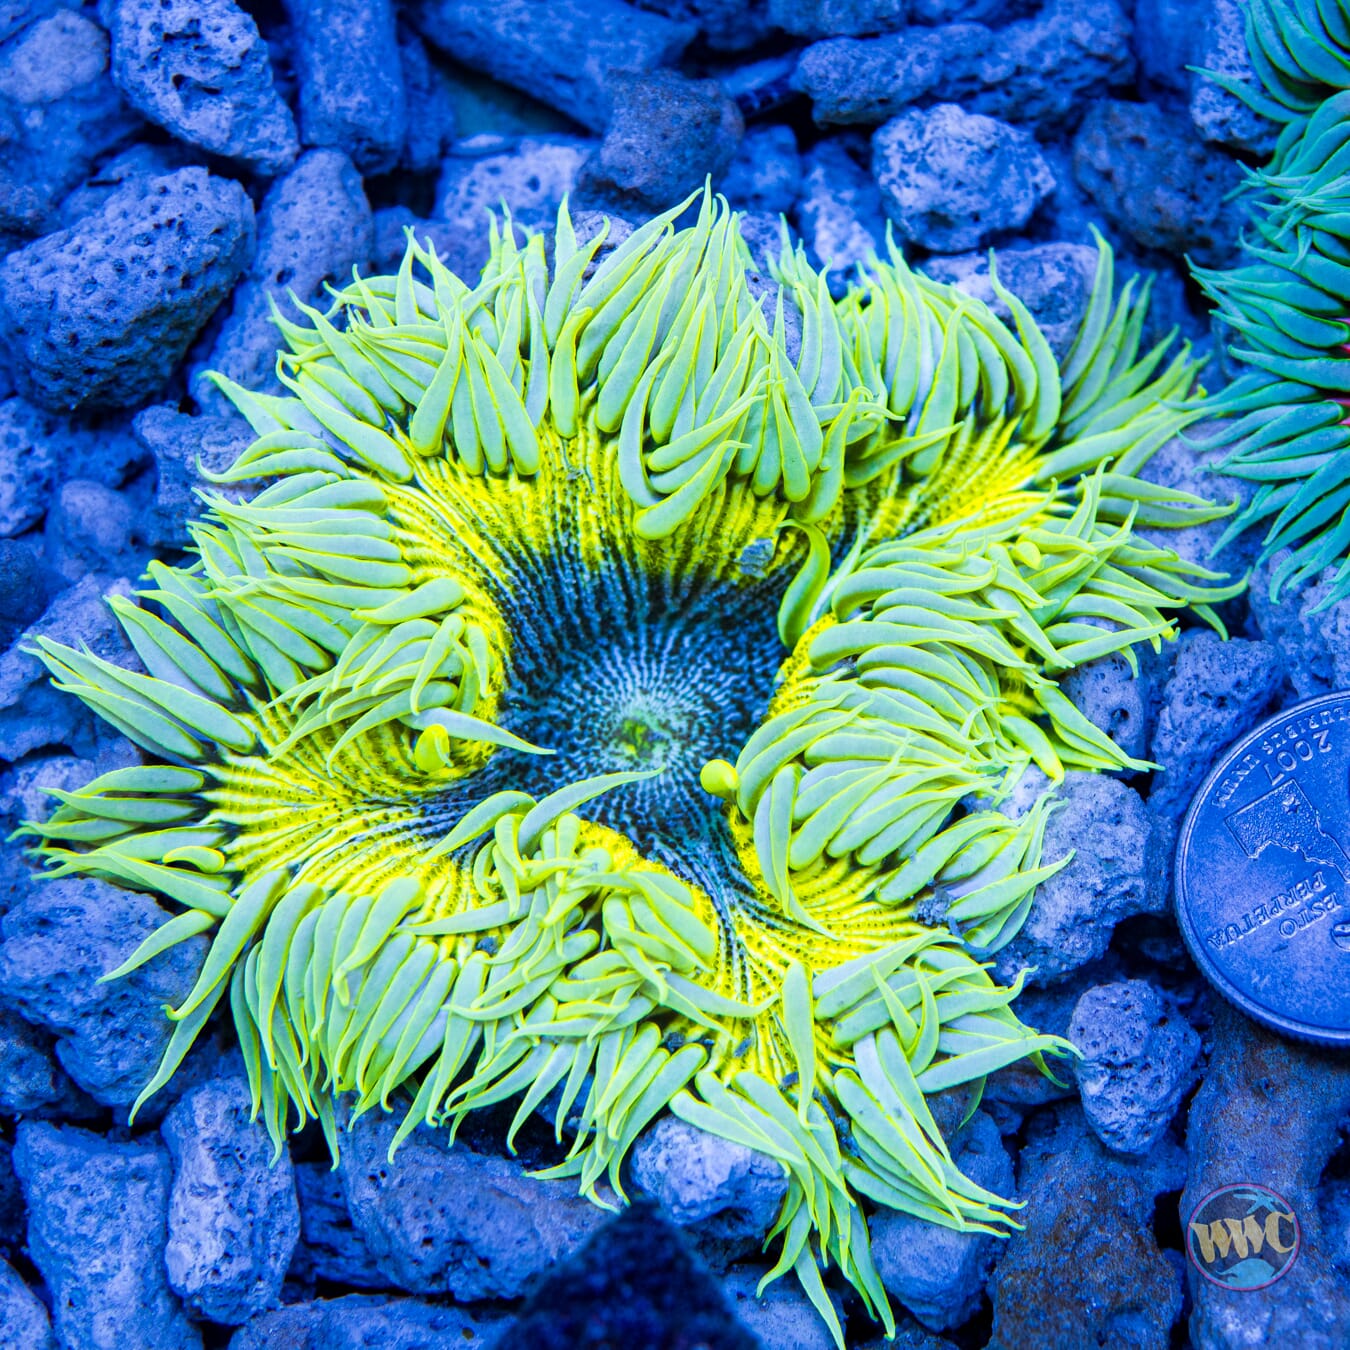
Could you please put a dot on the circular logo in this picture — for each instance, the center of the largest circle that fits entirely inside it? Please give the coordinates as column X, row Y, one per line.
column 1243, row 1236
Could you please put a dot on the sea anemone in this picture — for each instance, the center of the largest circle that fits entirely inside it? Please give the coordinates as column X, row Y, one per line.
column 1289, row 301
column 606, row 700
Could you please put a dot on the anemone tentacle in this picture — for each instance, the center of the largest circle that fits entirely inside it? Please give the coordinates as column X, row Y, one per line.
column 599, row 704
column 1288, row 303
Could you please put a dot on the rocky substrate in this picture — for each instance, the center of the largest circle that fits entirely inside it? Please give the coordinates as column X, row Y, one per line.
column 170, row 168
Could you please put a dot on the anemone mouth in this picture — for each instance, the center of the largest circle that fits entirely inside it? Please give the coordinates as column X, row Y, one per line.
column 591, row 514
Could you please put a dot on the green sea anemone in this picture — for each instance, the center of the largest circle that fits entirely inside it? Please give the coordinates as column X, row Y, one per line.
column 606, row 700
column 1289, row 301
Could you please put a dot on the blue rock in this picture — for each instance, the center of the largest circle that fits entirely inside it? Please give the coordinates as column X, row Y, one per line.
column 233, row 1215
column 564, row 53
column 949, row 179
column 33, row 715
column 100, row 314
column 1220, row 117
column 16, row 15
column 12, row 1216
column 391, row 224
column 667, row 135
column 782, row 1316
column 199, row 68
column 23, row 587
column 839, row 211
column 29, row 1076
column 1154, row 179
column 59, row 114
column 136, row 163
column 359, row 1321
column 937, row 1273
column 349, row 79
column 24, row 1324
column 723, row 25
column 314, row 226
column 431, row 106
column 89, row 529
column 331, row 1248
column 1165, row 36
column 96, row 1228
column 766, row 173
column 56, row 943
column 1138, row 1061
column 837, row 18
column 178, row 443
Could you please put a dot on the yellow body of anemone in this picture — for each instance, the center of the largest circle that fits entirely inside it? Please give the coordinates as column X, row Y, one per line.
column 917, row 516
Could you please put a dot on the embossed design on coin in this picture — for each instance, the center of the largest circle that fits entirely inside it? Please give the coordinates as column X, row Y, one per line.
column 1263, row 872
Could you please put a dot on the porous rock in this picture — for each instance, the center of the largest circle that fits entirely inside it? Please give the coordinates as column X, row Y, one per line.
column 33, row 715
column 59, row 114
column 1164, row 39
column 359, row 1321
column 88, row 530
column 135, row 164
column 391, row 224
column 839, row 211
column 444, row 1219
column 766, row 173
column 97, row 1215
column 949, row 179
column 1040, row 69
column 937, row 1273
column 1089, row 1212
column 12, row 1215
column 666, row 136
column 1310, row 632
column 1268, row 1112
column 1219, row 116
column 1054, row 281
column 562, row 52
column 1157, row 181
column 233, row 1216
column 837, row 18
column 331, row 1247
column 101, row 313
column 1116, row 700
column 23, row 587
column 27, row 469
column 1138, row 1061
column 1217, row 692
column 1104, row 823
column 57, row 941
column 349, row 79
column 46, row 448
column 24, row 1324
column 29, row 1076
column 782, row 1316
column 314, row 226
column 724, row 1195
column 179, row 444
column 431, row 106
column 200, row 69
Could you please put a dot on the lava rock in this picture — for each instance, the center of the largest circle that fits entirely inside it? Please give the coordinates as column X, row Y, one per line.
column 1092, row 1213
column 16, row 15
column 96, row 1219
column 314, row 226
column 1040, row 69
column 1138, row 1062
column 33, row 715
column 949, row 179
column 1311, row 636
column 937, row 1273
column 1268, row 1112
column 12, row 1216
column 1164, row 40
column 724, row 25
column 29, row 1077
column 782, row 1316
column 766, row 173
column 89, row 531
column 27, row 469
column 330, row 1246
column 447, row 1220
column 25, row 787
column 1220, row 117
column 562, row 52
column 233, row 1215
column 23, row 588
column 199, row 68
column 1115, row 699
column 723, row 1195
column 46, row 448
column 837, row 18
column 839, row 211
column 1054, row 281
column 349, row 79
column 59, row 114
column 136, row 164
column 101, row 313
column 179, row 443
column 57, row 941
column 1104, row 823
column 666, row 136
column 1154, row 179
column 24, row 1324
column 359, row 1321
column 431, row 107
column 391, row 224
column 1218, row 691
column 530, row 176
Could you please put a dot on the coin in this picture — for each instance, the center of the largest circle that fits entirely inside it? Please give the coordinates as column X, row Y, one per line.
column 1263, row 872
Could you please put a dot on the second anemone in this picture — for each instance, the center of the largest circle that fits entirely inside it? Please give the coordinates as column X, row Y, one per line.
column 607, row 695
